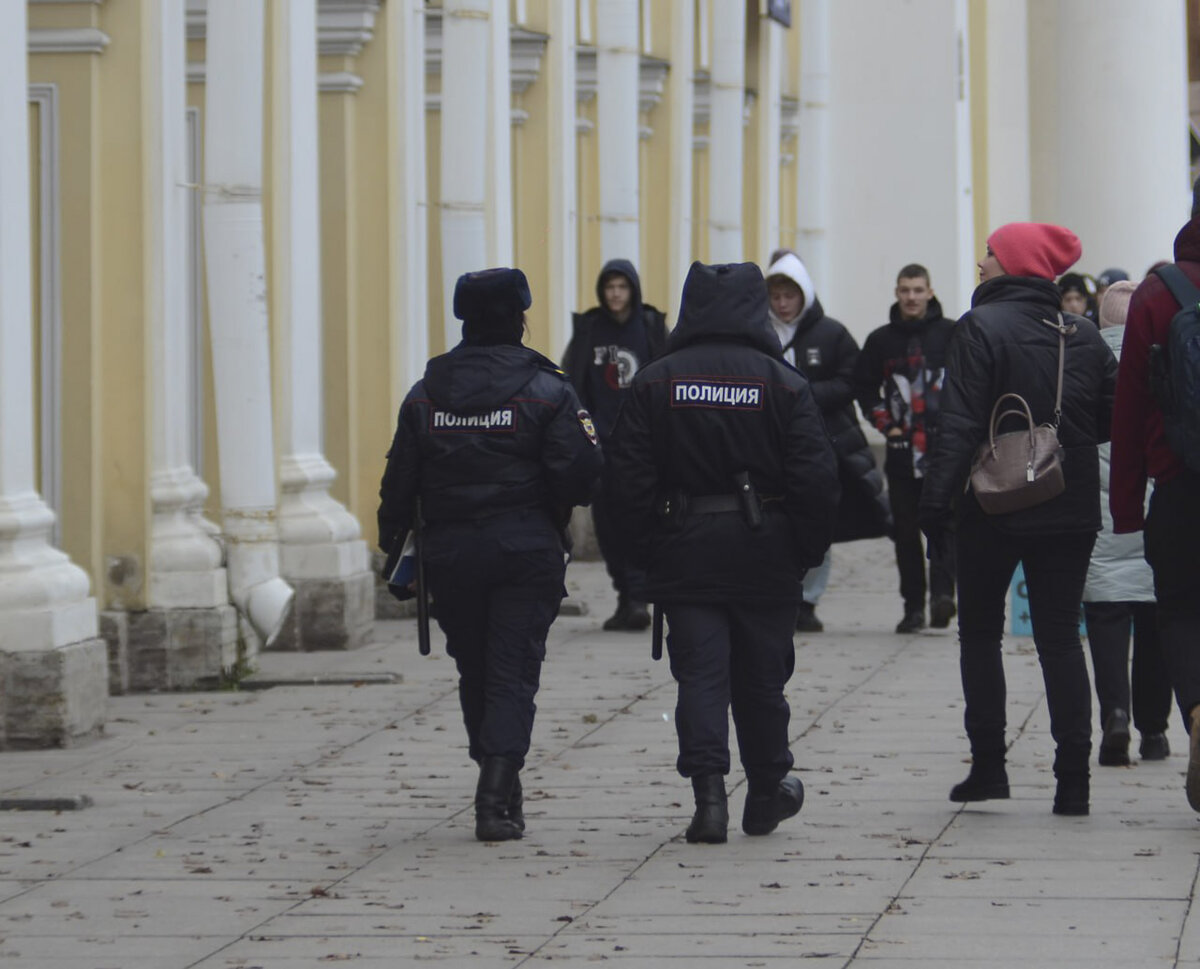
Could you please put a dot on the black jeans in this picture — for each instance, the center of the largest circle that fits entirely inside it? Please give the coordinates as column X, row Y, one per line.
column 743, row 655
column 1055, row 570
column 904, row 494
column 628, row 580
column 497, row 585
column 1108, row 626
column 1173, row 551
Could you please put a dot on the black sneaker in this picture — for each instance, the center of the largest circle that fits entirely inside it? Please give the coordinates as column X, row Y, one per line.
column 913, row 622
column 807, row 621
column 941, row 611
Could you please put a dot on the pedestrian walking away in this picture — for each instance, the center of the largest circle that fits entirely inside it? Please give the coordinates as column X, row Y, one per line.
column 728, row 484
column 822, row 349
column 1119, row 596
column 495, row 444
column 1143, row 449
column 899, row 377
column 1014, row 341
column 609, row 344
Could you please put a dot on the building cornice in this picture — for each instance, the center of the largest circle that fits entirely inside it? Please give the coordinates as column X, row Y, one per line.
column 69, row 40
column 345, row 27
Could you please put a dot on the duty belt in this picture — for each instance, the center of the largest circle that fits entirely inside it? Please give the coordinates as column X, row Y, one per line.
column 718, row 504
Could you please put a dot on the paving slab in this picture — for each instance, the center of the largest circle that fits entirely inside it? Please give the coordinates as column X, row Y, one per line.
column 309, row 825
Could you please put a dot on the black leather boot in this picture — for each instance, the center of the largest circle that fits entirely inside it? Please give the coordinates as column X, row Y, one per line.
column 492, row 797
column 516, row 804
column 1072, row 792
column 710, row 823
column 987, row 781
column 764, row 809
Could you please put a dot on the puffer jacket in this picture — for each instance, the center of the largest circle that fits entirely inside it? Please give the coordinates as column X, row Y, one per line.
column 1118, row 571
column 718, row 402
column 1002, row 346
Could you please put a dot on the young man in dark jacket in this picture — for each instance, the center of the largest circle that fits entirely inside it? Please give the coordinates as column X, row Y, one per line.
column 728, row 482
column 822, row 349
column 609, row 344
column 1139, row 452
column 899, row 378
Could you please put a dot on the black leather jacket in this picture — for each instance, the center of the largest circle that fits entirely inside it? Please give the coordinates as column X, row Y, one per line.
column 1000, row 346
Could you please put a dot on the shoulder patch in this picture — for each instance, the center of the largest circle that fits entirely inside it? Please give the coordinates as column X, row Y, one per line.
column 588, row 426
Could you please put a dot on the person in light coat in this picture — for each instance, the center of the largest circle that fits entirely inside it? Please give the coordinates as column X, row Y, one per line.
column 1118, row 594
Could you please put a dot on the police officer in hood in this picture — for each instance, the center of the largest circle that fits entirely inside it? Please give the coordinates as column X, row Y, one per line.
column 494, row 442
column 729, row 486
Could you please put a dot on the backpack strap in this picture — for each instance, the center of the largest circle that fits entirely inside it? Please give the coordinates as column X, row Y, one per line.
column 1182, row 288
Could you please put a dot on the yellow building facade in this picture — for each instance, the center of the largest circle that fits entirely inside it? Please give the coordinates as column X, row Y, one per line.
column 445, row 136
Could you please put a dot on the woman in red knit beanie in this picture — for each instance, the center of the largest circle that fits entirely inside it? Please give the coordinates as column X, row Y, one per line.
column 1008, row 342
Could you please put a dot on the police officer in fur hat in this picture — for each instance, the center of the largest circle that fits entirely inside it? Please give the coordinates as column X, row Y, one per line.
column 729, row 486
column 497, row 447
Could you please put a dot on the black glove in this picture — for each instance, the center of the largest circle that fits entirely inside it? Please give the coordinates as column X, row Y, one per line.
column 938, row 531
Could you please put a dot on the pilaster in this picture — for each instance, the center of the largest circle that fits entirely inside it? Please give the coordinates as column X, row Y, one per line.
column 617, row 95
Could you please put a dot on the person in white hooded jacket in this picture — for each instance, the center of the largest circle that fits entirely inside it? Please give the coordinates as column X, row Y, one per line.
column 823, row 350
column 1118, row 594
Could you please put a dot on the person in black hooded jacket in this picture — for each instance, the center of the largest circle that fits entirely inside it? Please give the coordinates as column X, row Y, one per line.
column 728, row 485
column 1009, row 342
column 609, row 344
column 495, row 443
column 899, row 375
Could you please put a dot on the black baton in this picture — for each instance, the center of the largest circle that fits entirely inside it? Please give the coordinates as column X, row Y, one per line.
column 422, row 598
column 656, row 632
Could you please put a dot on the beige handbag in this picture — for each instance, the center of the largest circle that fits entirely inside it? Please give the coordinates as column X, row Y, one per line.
column 1021, row 469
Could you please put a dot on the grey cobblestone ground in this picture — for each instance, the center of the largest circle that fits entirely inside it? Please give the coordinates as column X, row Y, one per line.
column 306, row 826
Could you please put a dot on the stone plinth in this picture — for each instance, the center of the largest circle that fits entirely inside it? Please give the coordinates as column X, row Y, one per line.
column 114, row 630
column 181, row 649
column 330, row 613
column 54, row 697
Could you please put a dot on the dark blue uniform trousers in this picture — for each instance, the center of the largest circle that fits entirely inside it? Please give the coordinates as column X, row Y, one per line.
column 733, row 654
column 497, row 585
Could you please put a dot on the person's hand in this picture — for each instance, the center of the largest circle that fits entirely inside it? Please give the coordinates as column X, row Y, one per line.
column 936, row 528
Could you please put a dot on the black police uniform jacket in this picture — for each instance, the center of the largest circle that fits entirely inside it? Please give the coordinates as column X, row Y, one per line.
column 826, row 354
column 720, row 401
column 488, row 430
column 1000, row 346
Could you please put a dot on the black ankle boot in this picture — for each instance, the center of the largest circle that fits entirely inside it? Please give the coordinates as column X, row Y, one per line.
column 710, row 823
column 516, row 804
column 987, row 781
column 765, row 809
column 492, row 797
column 1071, row 795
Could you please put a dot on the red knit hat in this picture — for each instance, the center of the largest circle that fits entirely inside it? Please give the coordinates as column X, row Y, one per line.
column 1035, row 249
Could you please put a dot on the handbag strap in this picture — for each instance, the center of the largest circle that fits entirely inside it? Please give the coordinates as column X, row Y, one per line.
column 1063, row 329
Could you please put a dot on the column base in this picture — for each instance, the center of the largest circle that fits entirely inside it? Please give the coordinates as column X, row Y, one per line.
column 53, row 697
column 329, row 613
column 176, row 649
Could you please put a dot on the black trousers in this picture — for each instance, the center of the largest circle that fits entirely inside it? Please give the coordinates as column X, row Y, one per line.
column 904, row 494
column 628, row 580
column 1055, row 570
column 497, row 585
column 732, row 654
column 1108, row 627
column 1173, row 551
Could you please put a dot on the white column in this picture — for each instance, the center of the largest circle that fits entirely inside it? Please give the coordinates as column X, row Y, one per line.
column 770, row 95
column 499, row 200
column 1008, row 161
column 319, row 538
column 185, row 561
column 564, row 189
column 727, row 132
column 1121, row 135
column 813, row 142
column 682, row 135
column 617, row 65
column 964, row 200
column 237, row 300
column 44, row 601
column 466, row 45
column 408, row 196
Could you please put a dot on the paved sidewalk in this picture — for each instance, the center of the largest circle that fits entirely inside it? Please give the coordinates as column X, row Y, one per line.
column 304, row 826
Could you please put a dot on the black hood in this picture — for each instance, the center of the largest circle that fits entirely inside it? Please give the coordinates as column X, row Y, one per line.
column 620, row 267
column 473, row 379
column 725, row 302
column 932, row 312
column 1022, row 289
